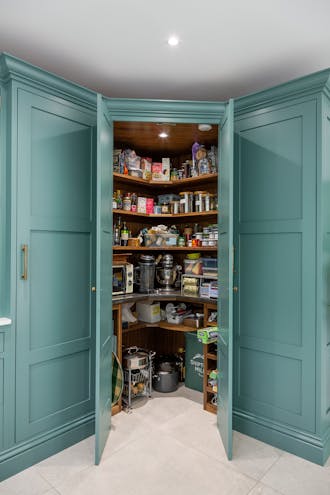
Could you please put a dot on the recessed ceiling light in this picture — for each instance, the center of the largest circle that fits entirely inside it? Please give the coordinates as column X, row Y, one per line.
column 204, row 127
column 163, row 135
column 173, row 41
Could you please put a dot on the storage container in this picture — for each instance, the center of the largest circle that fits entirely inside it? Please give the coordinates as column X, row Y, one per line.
column 194, row 267
column 210, row 272
column 148, row 312
column 194, row 362
column 157, row 240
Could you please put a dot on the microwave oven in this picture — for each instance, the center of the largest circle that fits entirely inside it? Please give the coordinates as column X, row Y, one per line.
column 122, row 279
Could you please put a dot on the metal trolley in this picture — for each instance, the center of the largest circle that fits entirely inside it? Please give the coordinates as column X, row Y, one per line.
column 137, row 380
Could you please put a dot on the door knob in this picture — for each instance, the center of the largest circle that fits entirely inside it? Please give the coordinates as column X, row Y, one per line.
column 235, row 288
column 93, row 289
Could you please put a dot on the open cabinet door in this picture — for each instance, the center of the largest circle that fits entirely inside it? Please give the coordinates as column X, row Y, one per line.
column 104, row 330
column 225, row 264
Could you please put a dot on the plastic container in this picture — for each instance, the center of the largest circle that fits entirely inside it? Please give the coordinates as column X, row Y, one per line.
column 158, row 240
column 193, row 267
column 210, row 262
column 194, row 362
column 210, row 272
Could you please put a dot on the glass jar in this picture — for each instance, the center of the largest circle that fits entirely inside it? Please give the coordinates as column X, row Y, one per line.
column 204, row 166
column 186, row 201
column 175, row 207
column 127, row 202
column 207, row 201
column 199, row 200
column 166, row 208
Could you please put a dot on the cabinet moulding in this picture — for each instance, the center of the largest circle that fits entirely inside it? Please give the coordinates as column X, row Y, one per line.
column 14, row 68
column 298, row 88
column 166, row 110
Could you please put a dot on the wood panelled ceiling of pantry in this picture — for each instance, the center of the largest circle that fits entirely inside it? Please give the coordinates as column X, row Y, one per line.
column 144, row 138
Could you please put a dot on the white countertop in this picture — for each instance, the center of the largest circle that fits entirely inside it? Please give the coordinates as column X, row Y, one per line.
column 5, row 321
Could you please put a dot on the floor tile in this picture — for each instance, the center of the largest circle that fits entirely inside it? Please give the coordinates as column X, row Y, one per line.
column 199, row 430
column 293, row 475
column 158, row 465
column 57, row 468
column 27, row 482
column 261, row 489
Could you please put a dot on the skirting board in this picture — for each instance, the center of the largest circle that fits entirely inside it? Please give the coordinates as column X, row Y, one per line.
column 307, row 446
column 19, row 458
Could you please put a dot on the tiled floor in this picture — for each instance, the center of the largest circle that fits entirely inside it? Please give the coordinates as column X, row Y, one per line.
column 169, row 446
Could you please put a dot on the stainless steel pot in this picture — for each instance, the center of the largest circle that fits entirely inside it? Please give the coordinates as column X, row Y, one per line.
column 165, row 381
column 135, row 359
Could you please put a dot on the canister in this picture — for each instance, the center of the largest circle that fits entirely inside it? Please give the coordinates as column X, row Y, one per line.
column 199, row 201
column 207, row 201
column 186, row 201
column 175, row 207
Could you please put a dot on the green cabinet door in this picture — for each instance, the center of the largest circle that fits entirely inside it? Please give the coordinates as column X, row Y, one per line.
column 104, row 326
column 275, row 230
column 225, row 264
column 54, row 261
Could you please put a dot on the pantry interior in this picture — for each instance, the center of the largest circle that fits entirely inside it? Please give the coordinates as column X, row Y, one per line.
column 166, row 198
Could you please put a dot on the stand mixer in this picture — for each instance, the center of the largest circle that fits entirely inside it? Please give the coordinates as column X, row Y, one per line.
column 166, row 273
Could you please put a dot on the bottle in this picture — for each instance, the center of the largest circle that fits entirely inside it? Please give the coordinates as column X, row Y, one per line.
column 182, row 370
column 119, row 200
column 124, row 233
column 114, row 201
column 116, row 235
column 134, row 202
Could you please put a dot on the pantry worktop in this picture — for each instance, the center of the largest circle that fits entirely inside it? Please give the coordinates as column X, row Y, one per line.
column 160, row 296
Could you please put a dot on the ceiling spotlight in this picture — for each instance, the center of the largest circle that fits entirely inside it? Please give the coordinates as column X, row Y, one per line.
column 173, row 41
column 204, row 127
column 163, row 135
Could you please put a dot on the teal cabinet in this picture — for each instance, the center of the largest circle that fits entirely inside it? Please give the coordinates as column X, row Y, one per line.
column 55, row 200
column 281, row 392
column 47, row 355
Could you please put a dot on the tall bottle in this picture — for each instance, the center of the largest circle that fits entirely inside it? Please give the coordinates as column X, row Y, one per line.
column 116, row 235
column 124, row 233
column 119, row 200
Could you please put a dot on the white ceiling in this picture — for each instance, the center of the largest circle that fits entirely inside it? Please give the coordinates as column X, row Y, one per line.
column 118, row 47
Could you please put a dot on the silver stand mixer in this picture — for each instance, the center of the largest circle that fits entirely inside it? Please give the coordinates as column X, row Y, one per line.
column 166, row 272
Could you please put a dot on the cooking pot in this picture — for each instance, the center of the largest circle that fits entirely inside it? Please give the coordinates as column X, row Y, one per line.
column 135, row 359
column 166, row 376
column 165, row 381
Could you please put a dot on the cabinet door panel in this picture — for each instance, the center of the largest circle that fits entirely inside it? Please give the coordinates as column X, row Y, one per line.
column 54, row 219
column 225, row 264
column 275, row 226
column 104, row 323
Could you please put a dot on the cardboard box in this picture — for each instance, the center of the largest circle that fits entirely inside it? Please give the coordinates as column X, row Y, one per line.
column 166, row 165
column 142, row 205
column 148, row 312
column 150, row 206
column 157, row 171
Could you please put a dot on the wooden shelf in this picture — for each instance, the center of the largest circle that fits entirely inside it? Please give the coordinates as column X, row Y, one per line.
column 200, row 179
column 191, row 215
column 159, row 324
column 210, row 408
column 211, row 355
column 210, row 390
column 164, row 248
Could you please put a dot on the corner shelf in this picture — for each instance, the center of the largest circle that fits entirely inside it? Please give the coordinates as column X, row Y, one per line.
column 200, row 179
column 165, row 248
